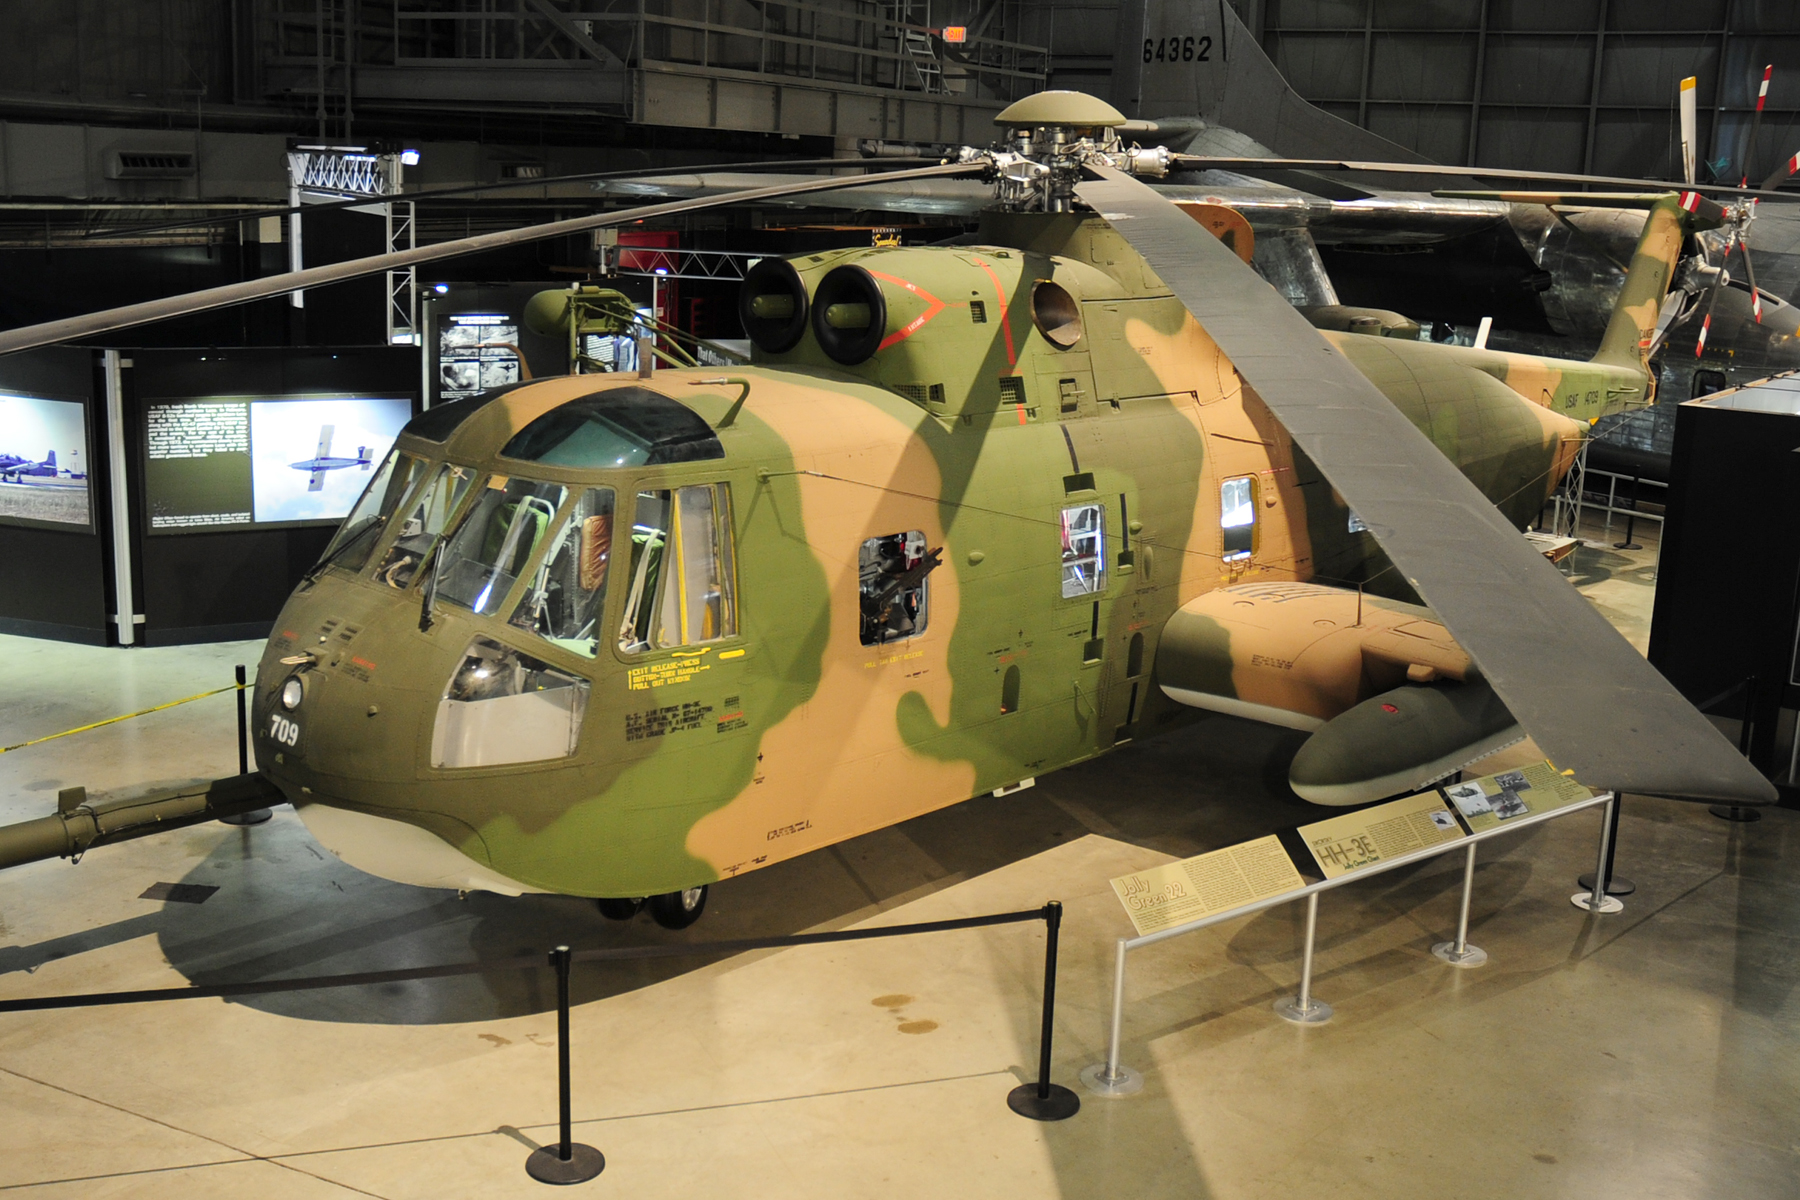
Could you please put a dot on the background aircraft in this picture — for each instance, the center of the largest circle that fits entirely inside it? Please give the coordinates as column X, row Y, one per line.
column 322, row 461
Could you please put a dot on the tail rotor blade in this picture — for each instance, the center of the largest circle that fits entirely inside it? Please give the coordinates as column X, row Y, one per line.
column 1743, row 245
column 1780, row 174
column 1762, row 96
column 1712, row 298
column 1689, row 122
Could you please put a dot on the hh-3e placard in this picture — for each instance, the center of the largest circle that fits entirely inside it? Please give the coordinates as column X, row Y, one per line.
column 1175, row 893
column 1381, row 833
column 1493, row 800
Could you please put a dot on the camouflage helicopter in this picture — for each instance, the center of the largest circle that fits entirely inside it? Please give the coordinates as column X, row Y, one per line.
column 974, row 512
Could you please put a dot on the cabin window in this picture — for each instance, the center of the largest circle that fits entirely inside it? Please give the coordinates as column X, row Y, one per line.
column 356, row 537
column 1357, row 525
column 892, row 570
column 502, row 706
column 1237, row 516
column 1083, row 550
column 432, row 508
column 683, row 572
column 495, row 541
column 567, row 595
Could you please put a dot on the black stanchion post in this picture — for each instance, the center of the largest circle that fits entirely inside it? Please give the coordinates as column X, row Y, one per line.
column 1616, row 885
column 1043, row 1100
column 255, row 816
column 243, row 726
column 568, row 1161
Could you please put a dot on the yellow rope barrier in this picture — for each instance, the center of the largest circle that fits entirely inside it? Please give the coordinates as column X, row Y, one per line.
column 230, row 687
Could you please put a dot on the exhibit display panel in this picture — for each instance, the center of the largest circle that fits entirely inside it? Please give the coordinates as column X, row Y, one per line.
column 53, row 488
column 44, row 453
column 270, row 461
column 244, row 463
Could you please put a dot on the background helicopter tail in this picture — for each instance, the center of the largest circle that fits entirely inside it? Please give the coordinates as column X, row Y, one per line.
column 1646, row 308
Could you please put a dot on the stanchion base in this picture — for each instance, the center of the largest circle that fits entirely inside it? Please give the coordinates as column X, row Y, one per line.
column 255, row 817
column 1585, row 902
column 1059, row 1105
column 1289, row 1010
column 1731, row 812
column 1471, row 956
column 1618, row 885
column 1626, row 546
column 1125, row 1083
column 584, row 1163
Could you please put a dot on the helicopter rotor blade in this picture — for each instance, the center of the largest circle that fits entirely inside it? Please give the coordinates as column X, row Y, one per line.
column 1712, row 298
column 1689, row 125
column 472, row 189
column 1254, row 166
column 110, row 320
column 1743, row 245
column 1613, row 719
column 1762, row 97
column 1779, row 174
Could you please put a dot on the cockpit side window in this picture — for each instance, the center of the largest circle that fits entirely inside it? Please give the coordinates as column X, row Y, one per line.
column 567, row 595
column 494, row 543
column 683, row 573
column 432, row 507
column 357, row 536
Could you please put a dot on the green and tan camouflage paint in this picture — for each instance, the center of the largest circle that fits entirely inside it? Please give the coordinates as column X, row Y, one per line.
column 798, row 736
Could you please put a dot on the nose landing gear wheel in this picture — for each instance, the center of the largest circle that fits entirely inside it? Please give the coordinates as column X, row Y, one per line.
column 620, row 910
column 678, row 910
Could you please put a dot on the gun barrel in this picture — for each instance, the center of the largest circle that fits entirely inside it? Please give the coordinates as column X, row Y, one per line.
column 80, row 825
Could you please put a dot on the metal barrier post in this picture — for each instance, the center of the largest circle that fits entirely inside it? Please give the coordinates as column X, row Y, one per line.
column 1303, row 1009
column 1459, row 953
column 569, row 1161
column 259, row 815
column 1596, row 900
column 1043, row 1100
column 1616, row 884
column 1112, row 1078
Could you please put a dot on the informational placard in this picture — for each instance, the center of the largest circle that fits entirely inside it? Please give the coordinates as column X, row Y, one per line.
column 1217, row 882
column 261, row 461
column 1380, row 833
column 1493, row 800
column 477, row 351
column 43, row 462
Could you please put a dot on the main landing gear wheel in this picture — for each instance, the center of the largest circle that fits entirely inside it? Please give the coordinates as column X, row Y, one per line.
column 621, row 909
column 678, row 910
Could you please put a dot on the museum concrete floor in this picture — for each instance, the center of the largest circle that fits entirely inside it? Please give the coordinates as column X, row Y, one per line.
column 1653, row 1053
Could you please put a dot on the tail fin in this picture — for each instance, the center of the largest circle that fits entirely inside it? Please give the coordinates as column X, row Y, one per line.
column 1672, row 217
column 51, row 460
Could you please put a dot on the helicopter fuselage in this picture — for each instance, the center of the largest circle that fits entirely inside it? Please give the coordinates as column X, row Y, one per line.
column 542, row 665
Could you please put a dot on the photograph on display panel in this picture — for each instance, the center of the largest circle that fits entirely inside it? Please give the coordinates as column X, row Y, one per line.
column 263, row 461
column 43, row 462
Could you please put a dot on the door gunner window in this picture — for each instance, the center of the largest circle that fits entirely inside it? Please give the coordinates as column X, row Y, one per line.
column 568, row 591
column 893, row 599
column 683, row 576
column 492, row 546
column 431, row 511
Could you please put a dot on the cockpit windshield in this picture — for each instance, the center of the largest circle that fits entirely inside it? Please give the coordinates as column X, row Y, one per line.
column 495, row 541
column 360, row 531
column 432, row 507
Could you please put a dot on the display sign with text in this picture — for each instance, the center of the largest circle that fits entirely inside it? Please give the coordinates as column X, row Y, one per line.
column 1380, row 833
column 263, row 461
column 1493, row 800
column 1166, row 896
